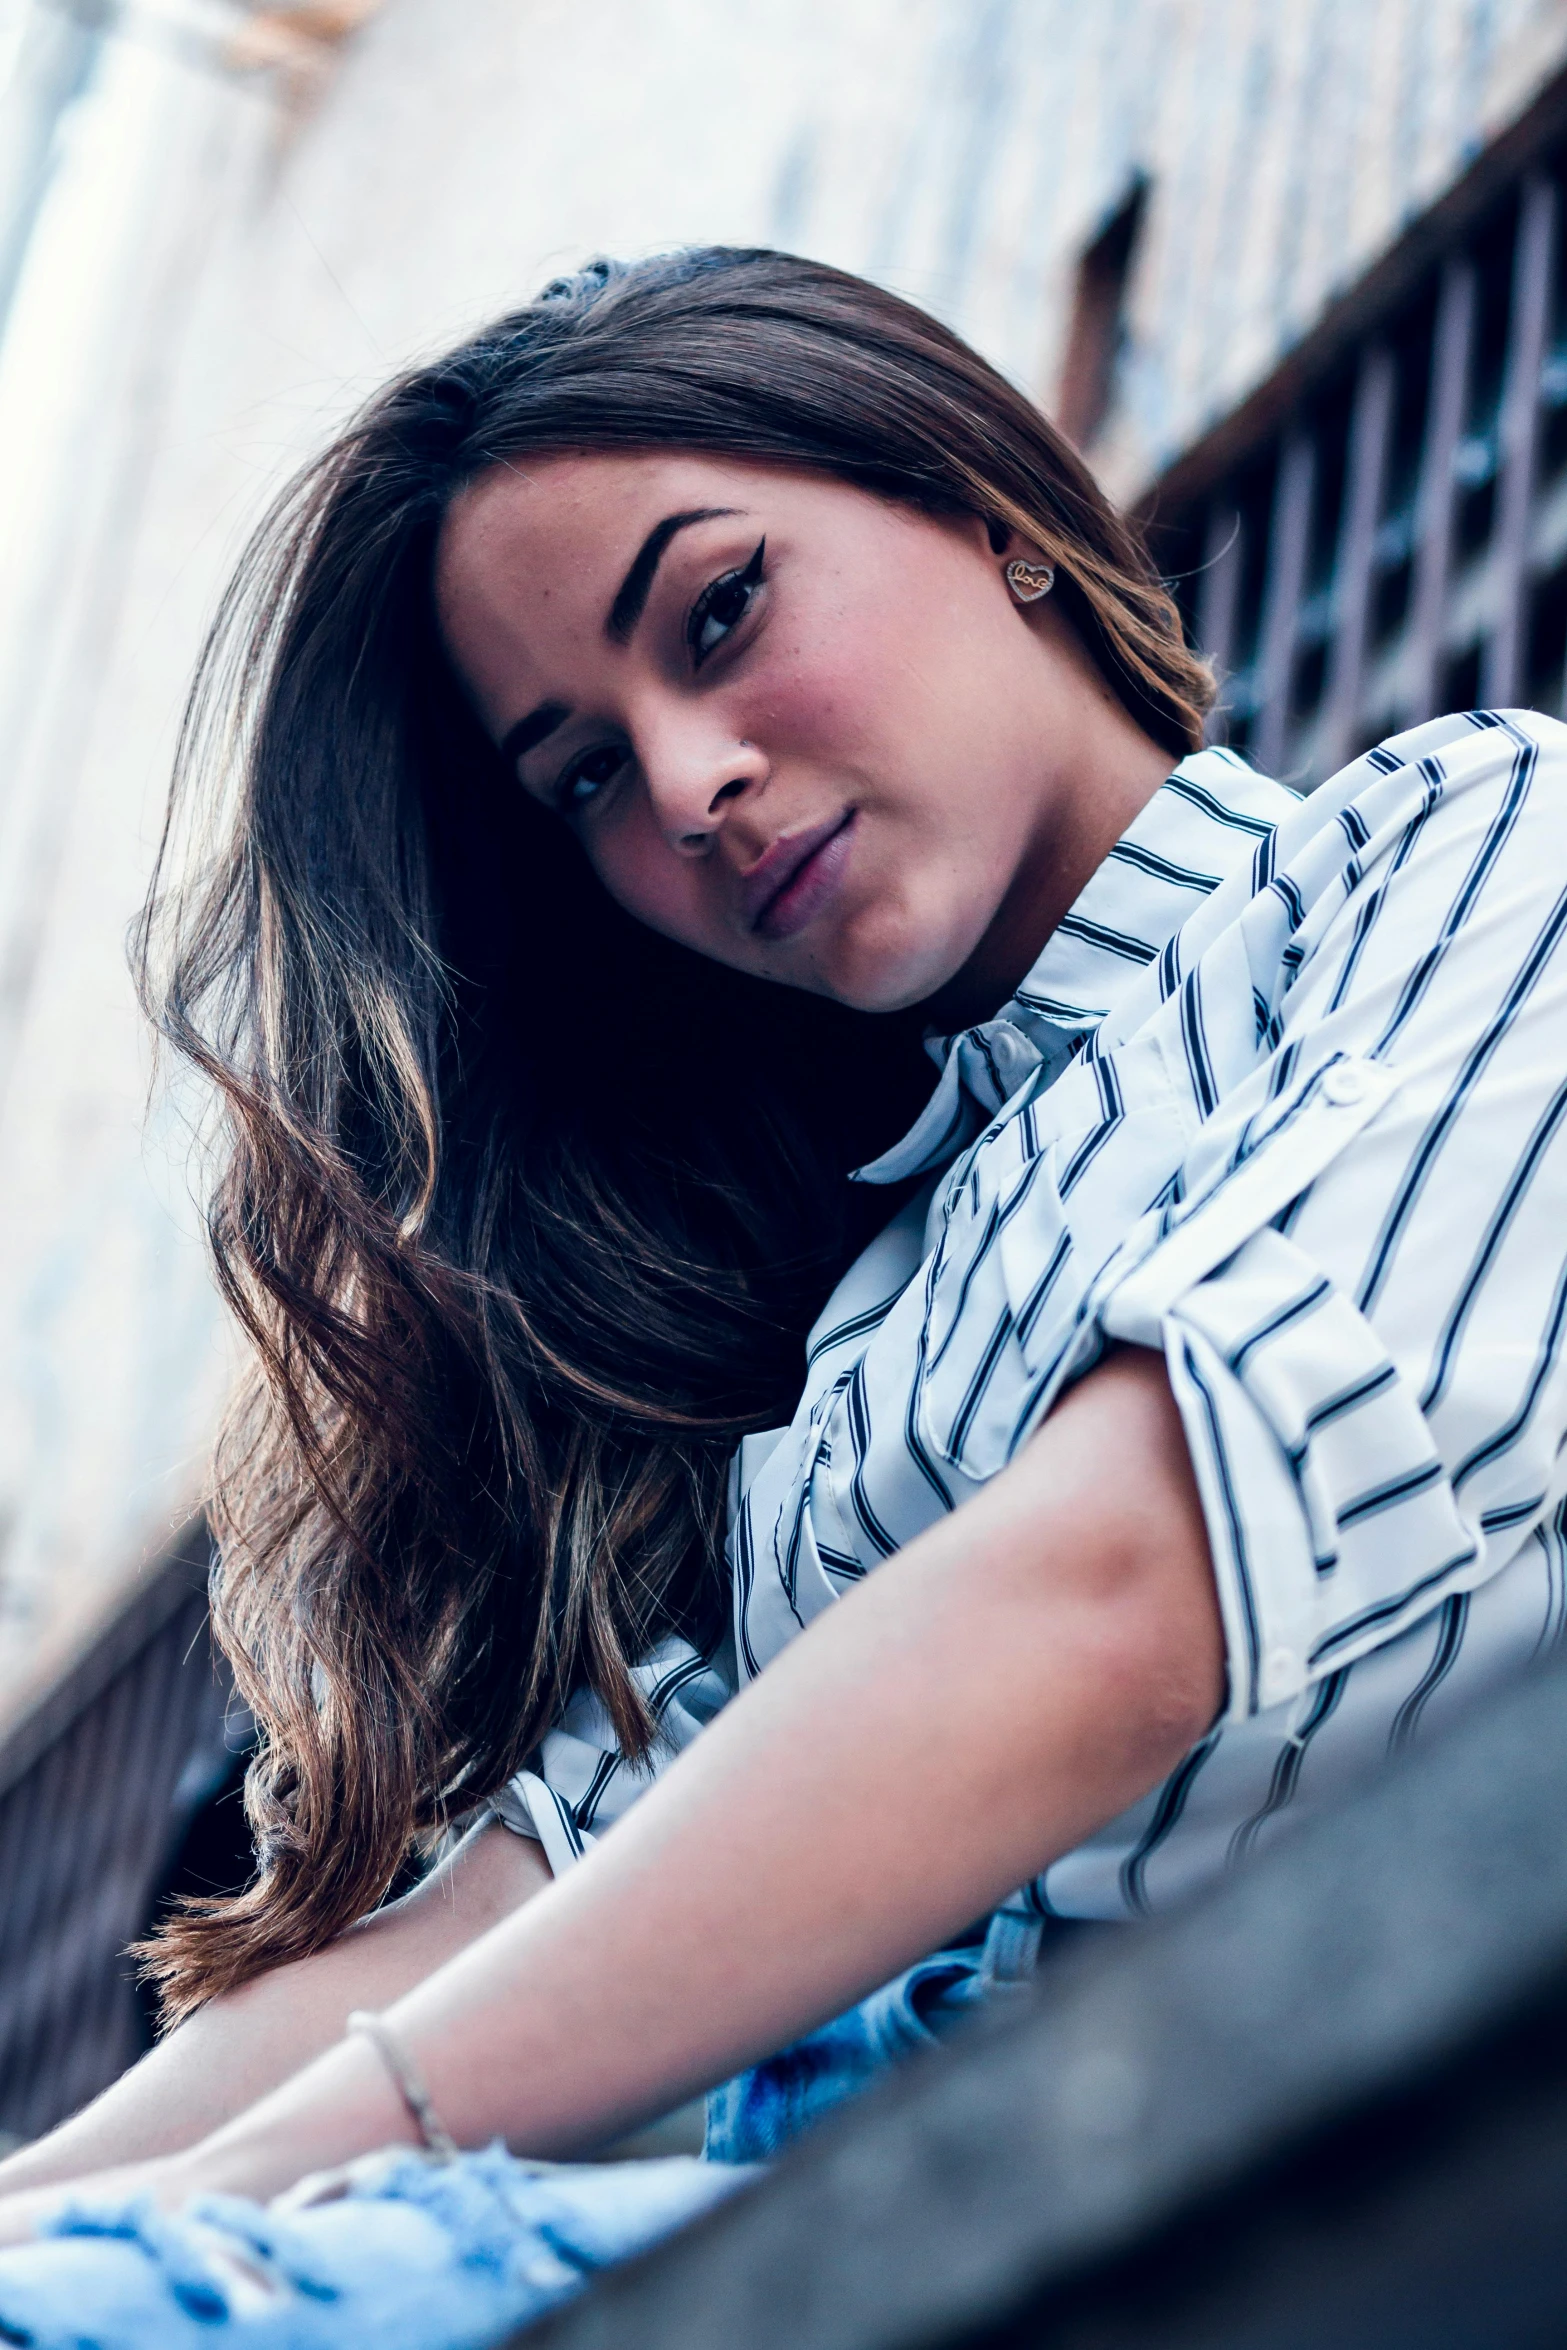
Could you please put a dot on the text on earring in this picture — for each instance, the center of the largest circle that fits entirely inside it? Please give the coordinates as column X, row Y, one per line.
column 1030, row 581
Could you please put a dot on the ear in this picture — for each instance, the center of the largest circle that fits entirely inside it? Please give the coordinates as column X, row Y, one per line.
column 998, row 534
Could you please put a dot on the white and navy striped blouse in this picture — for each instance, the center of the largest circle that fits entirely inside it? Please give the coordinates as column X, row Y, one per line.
column 1284, row 1096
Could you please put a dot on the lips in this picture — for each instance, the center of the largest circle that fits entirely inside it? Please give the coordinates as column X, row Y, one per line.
column 784, row 873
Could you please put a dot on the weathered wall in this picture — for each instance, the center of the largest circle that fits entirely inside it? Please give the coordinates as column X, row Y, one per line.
column 211, row 279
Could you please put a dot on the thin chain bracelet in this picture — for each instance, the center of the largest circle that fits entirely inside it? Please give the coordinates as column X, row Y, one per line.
column 437, row 2137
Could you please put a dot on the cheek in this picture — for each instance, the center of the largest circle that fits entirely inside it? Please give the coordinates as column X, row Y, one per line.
column 869, row 692
column 833, row 689
column 644, row 876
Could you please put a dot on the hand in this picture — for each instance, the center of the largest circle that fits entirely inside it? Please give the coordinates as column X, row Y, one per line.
column 168, row 2181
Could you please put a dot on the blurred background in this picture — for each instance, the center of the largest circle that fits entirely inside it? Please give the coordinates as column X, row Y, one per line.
column 1290, row 271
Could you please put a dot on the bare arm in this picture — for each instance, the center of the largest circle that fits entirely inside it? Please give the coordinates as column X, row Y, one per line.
column 237, row 2048
column 824, row 1831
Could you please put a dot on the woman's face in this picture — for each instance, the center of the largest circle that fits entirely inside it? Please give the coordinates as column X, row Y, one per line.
column 798, row 728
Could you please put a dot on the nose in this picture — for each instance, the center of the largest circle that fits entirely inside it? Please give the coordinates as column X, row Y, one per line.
column 693, row 780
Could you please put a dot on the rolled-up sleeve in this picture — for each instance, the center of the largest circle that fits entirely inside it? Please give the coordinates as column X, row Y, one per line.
column 1361, row 1298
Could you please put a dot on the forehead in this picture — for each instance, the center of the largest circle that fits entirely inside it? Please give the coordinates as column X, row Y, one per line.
column 562, row 516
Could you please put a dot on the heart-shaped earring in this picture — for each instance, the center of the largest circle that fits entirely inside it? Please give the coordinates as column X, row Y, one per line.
column 1030, row 581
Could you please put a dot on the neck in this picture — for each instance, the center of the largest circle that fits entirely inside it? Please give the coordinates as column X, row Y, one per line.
column 1115, row 776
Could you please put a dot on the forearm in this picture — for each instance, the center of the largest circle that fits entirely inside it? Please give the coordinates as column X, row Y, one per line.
column 827, row 1829
column 234, row 2050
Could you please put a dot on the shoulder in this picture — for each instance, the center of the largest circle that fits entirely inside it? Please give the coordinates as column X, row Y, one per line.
column 1416, row 829
column 1446, row 766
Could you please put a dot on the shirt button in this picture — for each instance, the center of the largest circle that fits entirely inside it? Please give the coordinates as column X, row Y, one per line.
column 1345, row 1083
column 1280, row 1668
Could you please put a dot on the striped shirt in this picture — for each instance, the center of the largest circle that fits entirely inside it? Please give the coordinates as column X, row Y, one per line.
column 1284, row 1096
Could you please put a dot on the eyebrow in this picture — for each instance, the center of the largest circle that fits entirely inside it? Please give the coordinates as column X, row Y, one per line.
column 631, row 602
column 627, row 609
column 518, row 740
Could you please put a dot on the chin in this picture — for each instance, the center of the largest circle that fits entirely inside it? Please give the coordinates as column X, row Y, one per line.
column 891, row 975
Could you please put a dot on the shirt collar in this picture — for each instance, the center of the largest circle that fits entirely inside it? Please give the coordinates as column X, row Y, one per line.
column 1205, row 819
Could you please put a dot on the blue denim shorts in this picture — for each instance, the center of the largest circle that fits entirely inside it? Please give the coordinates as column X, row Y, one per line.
column 754, row 2116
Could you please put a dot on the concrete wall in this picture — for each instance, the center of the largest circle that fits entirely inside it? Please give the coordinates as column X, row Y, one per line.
column 218, row 261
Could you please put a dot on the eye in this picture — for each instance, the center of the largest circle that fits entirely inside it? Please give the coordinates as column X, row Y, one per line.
column 722, row 606
column 586, row 777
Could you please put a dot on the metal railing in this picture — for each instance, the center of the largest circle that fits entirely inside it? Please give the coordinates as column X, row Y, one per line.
column 97, row 1791
column 1382, row 532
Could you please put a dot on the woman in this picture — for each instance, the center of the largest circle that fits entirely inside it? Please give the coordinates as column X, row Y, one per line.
column 637, row 733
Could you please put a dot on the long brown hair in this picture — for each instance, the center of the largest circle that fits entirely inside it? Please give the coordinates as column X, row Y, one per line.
column 522, row 1210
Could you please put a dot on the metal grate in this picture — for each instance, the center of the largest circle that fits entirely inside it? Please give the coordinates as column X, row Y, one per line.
column 1382, row 532
column 97, row 1791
